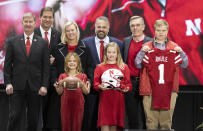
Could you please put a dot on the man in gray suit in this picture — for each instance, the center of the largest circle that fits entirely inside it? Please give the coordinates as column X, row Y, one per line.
column 26, row 75
column 132, row 45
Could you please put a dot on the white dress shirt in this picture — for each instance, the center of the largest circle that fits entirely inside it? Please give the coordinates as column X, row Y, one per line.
column 43, row 33
column 30, row 38
column 98, row 44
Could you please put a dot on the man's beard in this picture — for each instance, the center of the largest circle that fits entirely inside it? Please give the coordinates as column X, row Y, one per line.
column 102, row 36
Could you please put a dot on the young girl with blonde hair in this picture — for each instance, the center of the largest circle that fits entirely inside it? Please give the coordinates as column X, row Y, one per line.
column 111, row 80
column 72, row 84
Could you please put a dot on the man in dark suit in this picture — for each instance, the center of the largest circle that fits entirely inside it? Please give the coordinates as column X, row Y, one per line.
column 132, row 45
column 96, row 45
column 46, row 31
column 26, row 75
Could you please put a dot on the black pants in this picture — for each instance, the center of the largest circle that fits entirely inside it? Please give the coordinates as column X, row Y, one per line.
column 3, row 110
column 53, row 112
column 24, row 105
column 90, row 112
column 134, row 107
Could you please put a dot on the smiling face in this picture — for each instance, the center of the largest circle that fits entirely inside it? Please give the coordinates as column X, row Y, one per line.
column 137, row 27
column 72, row 63
column 111, row 54
column 29, row 25
column 101, row 28
column 47, row 20
column 71, row 32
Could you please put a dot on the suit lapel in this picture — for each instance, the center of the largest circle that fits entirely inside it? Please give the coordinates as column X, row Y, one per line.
column 63, row 49
column 94, row 51
column 80, row 48
column 38, row 32
column 53, row 36
column 110, row 39
column 127, row 46
column 146, row 39
column 22, row 44
column 33, row 45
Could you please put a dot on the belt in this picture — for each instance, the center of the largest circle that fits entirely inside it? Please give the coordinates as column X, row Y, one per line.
column 137, row 78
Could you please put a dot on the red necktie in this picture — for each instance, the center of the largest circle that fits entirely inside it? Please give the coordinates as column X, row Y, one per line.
column 28, row 45
column 46, row 37
column 101, row 50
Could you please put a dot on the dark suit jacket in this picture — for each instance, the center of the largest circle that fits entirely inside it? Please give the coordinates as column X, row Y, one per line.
column 62, row 50
column 90, row 42
column 55, row 38
column 126, row 44
column 19, row 68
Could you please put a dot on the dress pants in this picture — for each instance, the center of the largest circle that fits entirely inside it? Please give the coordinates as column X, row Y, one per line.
column 51, row 110
column 44, row 111
column 91, row 112
column 134, row 107
column 159, row 118
column 24, row 104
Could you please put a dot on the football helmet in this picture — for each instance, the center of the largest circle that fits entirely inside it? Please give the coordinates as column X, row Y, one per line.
column 111, row 78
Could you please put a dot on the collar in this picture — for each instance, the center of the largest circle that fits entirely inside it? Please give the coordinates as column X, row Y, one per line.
column 80, row 44
column 155, row 42
column 106, row 40
column 141, row 38
column 30, row 37
column 42, row 30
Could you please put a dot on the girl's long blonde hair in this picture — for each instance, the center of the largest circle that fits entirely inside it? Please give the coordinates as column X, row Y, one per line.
column 119, row 60
column 79, row 65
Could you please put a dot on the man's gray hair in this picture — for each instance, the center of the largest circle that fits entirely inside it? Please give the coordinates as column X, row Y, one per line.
column 29, row 14
column 136, row 17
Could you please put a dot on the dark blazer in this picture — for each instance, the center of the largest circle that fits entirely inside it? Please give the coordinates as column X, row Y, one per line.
column 19, row 68
column 60, row 53
column 90, row 42
column 55, row 38
column 126, row 45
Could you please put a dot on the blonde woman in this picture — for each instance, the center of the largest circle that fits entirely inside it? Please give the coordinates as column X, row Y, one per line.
column 111, row 80
column 69, row 43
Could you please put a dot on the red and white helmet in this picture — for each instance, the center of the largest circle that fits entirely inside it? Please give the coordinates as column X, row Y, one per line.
column 111, row 78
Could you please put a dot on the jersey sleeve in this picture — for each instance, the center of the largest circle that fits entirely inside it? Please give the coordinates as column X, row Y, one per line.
column 146, row 61
column 177, row 59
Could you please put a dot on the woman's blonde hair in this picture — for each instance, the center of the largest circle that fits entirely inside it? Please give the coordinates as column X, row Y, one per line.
column 79, row 65
column 64, row 38
column 119, row 60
